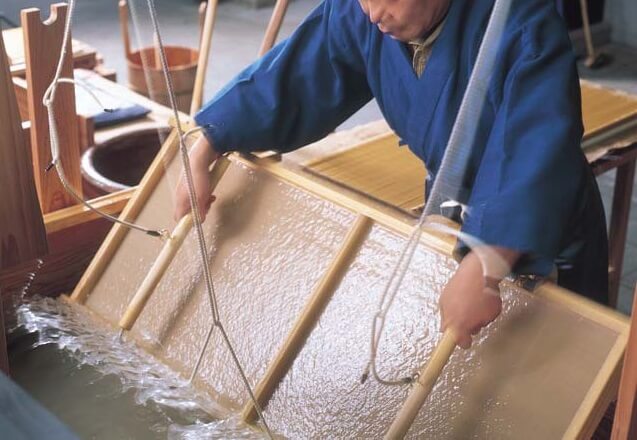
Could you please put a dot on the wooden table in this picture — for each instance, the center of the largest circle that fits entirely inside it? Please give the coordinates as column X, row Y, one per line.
column 84, row 56
column 610, row 143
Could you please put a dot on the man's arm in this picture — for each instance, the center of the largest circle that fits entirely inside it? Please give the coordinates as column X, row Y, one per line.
column 299, row 91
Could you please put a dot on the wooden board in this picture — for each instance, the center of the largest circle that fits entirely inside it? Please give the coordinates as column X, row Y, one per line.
column 273, row 231
column 42, row 43
column 22, row 234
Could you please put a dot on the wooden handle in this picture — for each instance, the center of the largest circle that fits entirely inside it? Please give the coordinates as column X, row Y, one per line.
column 166, row 256
column 588, row 36
column 422, row 387
column 309, row 317
column 274, row 26
column 201, row 13
column 123, row 24
column 204, row 52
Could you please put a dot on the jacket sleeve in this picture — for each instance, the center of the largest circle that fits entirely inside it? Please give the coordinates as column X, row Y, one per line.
column 299, row 91
column 533, row 170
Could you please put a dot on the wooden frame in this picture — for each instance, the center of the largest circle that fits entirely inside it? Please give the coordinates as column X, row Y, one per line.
column 600, row 392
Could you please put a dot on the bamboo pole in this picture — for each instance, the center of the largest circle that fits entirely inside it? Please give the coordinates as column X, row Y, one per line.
column 204, row 54
column 422, row 387
column 123, row 23
column 274, row 26
column 166, row 256
column 309, row 317
column 593, row 60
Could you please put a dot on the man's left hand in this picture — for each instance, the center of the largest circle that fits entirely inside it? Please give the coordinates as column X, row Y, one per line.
column 470, row 301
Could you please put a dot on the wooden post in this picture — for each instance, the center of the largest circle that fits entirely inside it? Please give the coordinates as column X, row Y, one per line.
column 619, row 219
column 166, row 255
column 422, row 387
column 42, row 42
column 308, row 318
column 274, row 26
column 625, row 423
column 4, row 355
column 22, row 233
column 123, row 23
column 204, row 52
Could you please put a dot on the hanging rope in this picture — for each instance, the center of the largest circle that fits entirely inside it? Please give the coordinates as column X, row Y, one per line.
column 447, row 187
column 201, row 241
column 49, row 100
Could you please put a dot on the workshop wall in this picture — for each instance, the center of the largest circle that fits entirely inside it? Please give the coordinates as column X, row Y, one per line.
column 622, row 16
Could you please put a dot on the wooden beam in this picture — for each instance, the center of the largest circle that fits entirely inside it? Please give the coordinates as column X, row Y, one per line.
column 22, row 234
column 625, row 423
column 66, row 218
column 309, row 317
column 272, row 31
column 4, row 354
column 42, row 42
column 618, row 231
column 117, row 233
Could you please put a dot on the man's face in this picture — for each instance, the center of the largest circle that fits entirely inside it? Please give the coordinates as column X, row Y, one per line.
column 405, row 20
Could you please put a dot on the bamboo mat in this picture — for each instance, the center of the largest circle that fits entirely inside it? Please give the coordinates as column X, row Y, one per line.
column 378, row 168
column 394, row 175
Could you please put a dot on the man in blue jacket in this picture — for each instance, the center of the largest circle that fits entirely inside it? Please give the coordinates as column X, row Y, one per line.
column 531, row 195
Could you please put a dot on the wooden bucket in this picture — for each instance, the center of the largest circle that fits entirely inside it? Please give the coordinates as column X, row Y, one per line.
column 182, row 67
column 150, row 82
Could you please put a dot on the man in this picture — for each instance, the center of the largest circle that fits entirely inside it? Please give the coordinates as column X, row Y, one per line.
column 531, row 196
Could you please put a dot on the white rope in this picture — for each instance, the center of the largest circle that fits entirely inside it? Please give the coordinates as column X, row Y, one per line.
column 48, row 101
column 214, row 309
column 446, row 186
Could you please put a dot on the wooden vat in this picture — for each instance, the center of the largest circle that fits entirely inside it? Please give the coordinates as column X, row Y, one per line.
column 120, row 163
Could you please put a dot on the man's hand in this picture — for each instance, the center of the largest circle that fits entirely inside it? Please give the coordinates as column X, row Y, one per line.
column 202, row 155
column 470, row 301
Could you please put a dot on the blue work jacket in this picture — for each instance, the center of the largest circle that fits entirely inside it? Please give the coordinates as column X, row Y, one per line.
column 529, row 185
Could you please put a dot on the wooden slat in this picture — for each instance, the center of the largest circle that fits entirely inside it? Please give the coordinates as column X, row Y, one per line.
column 66, row 218
column 308, row 319
column 625, row 423
column 22, row 235
column 118, row 232
column 42, row 42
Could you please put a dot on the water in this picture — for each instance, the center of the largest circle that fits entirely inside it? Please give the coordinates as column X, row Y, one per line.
column 103, row 388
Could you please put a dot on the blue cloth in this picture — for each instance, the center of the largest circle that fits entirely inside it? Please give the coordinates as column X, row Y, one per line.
column 529, row 185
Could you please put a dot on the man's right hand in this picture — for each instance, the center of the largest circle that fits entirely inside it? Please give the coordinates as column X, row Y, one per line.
column 202, row 155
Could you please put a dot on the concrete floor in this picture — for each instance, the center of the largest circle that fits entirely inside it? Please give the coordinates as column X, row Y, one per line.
column 236, row 41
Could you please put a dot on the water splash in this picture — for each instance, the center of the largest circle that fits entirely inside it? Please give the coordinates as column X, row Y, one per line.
column 186, row 412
